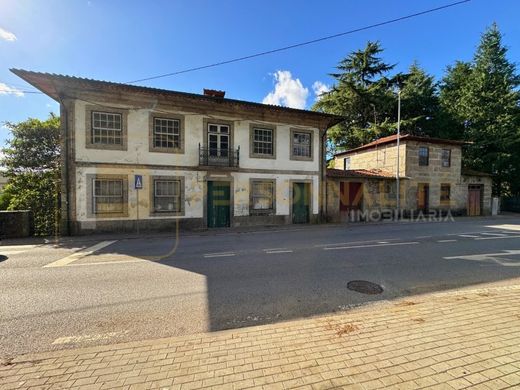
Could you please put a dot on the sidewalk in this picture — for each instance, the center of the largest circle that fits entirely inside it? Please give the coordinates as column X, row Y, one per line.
column 453, row 340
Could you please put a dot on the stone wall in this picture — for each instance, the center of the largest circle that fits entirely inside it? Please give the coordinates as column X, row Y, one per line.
column 382, row 157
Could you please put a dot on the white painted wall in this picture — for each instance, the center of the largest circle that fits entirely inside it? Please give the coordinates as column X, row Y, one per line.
column 138, row 148
column 194, row 190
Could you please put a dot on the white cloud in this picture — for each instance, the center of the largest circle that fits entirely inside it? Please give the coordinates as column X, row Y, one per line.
column 7, row 90
column 319, row 88
column 287, row 91
column 7, row 35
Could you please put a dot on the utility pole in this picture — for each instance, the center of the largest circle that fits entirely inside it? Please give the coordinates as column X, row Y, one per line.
column 398, row 195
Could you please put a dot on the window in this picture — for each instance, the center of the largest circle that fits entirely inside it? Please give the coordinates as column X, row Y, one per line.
column 445, row 193
column 301, row 145
column 346, row 163
column 166, row 133
column 108, row 196
column 424, row 156
column 167, row 196
column 446, row 157
column 262, row 195
column 218, row 140
column 262, row 142
column 106, row 128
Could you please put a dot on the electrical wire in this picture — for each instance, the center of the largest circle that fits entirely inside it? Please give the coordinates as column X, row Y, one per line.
column 386, row 22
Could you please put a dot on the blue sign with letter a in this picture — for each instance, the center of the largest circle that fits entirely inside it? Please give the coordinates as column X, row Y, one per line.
column 138, row 184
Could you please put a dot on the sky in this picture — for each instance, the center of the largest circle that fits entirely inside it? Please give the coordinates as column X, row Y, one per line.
column 124, row 40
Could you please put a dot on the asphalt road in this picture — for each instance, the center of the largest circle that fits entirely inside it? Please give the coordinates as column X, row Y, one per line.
column 100, row 290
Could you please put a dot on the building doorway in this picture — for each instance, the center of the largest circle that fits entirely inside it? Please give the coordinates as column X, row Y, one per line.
column 350, row 201
column 474, row 199
column 423, row 197
column 301, row 202
column 219, row 204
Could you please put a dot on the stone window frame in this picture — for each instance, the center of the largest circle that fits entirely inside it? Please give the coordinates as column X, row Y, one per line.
column 89, row 110
column 252, row 128
column 427, row 157
column 90, row 195
column 291, row 145
column 182, row 188
column 252, row 211
column 442, row 158
column 151, row 127
column 445, row 201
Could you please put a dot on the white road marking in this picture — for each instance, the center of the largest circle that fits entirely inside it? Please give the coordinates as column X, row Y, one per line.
column 382, row 242
column 446, row 240
column 370, row 246
column 424, row 237
column 227, row 254
column 495, row 238
column 505, row 227
column 352, row 242
column 467, row 235
column 78, row 255
column 274, row 249
column 494, row 234
column 492, row 257
column 279, row 251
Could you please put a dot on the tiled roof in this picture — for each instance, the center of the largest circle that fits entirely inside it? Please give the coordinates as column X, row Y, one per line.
column 50, row 84
column 361, row 173
column 405, row 137
column 471, row 172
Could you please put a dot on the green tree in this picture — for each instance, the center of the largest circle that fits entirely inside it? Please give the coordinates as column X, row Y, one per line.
column 486, row 107
column 363, row 95
column 32, row 164
column 419, row 103
column 452, row 87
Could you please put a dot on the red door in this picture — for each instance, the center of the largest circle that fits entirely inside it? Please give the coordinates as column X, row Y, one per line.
column 350, row 200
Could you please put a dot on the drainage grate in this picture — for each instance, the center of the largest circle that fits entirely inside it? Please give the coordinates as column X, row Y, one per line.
column 364, row 287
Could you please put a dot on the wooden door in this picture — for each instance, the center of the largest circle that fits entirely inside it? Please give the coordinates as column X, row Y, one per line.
column 350, row 200
column 474, row 194
column 423, row 196
column 218, row 204
column 300, row 203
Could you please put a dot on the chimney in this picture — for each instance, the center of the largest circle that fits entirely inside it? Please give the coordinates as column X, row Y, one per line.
column 214, row 93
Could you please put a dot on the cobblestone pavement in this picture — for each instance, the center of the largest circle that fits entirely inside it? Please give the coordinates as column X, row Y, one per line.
column 453, row 340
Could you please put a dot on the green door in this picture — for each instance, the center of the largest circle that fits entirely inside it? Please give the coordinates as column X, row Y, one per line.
column 300, row 203
column 218, row 204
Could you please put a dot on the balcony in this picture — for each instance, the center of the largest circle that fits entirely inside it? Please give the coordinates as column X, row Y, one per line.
column 218, row 157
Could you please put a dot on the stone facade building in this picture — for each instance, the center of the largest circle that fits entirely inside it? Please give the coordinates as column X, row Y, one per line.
column 430, row 172
column 136, row 156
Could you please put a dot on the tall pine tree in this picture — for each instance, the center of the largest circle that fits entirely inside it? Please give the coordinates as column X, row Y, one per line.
column 483, row 100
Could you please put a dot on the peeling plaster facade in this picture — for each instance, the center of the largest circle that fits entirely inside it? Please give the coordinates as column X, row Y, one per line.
column 86, row 162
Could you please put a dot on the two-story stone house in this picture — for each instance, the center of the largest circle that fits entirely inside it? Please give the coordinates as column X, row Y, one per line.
column 137, row 156
column 430, row 172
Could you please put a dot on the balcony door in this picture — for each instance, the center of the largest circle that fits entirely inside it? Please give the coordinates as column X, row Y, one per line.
column 218, row 141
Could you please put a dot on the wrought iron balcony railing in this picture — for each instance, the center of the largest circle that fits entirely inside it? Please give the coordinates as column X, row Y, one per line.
column 219, row 157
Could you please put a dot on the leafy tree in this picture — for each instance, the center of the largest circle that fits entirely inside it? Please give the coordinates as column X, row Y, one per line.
column 452, row 88
column 483, row 100
column 32, row 164
column 419, row 102
column 363, row 95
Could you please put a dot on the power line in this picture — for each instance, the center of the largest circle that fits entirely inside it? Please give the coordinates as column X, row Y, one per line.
column 238, row 59
column 386, row 22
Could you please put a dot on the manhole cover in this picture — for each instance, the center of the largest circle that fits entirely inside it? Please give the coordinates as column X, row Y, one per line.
column 364, row 287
